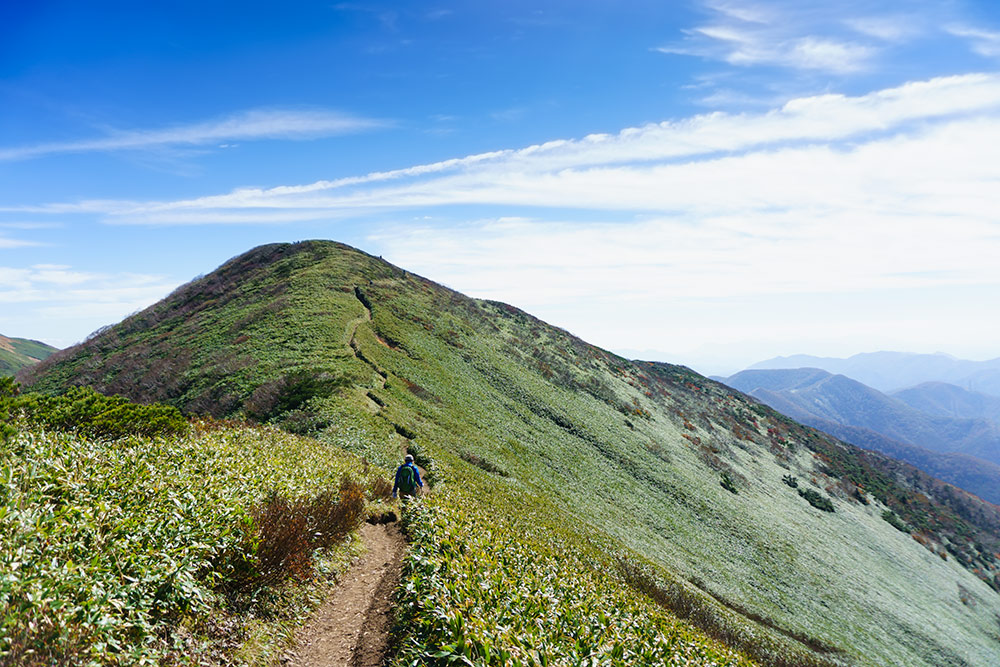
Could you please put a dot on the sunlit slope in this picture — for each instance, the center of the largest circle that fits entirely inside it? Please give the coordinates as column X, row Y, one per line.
column 636, row 453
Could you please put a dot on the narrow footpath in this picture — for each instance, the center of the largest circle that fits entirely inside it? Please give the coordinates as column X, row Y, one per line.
column 351, row 629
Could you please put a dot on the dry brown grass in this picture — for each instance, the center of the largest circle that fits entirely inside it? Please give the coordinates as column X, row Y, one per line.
column 288, row 531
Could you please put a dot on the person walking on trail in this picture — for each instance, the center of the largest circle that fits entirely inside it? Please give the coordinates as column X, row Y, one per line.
column 407, row 479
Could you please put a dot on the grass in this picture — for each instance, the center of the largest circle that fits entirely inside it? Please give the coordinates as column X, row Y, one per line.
column 501, row 588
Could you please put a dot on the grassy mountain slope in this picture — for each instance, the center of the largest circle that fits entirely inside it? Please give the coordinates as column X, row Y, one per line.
column 948, row 400
column 16, row 353
column 835, row 398
column 561, row 461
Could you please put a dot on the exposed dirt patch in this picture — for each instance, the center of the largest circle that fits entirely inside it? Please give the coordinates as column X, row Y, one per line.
column 351, row 629
column 385, row 342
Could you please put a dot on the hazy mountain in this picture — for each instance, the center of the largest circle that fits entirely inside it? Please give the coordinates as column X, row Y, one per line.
column 816, row 393
column 965, row 452
column 891, row 371
column 743, row 519
column 947, row 400
column 16, row 353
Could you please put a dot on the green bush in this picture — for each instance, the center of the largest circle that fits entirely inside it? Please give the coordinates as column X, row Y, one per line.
column 82, row 410
column 87, row 412
column 727, row 483
column 818, row 501
column 893, row 520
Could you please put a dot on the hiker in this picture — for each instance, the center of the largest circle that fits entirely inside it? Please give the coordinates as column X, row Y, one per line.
column 407, row 479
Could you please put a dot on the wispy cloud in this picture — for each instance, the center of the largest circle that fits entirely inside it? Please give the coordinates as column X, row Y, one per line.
column 669, row 166
column 248, row 125
column 16, row 243
column 889, row 28
column 752, row 47
column 984, row 42
column 797, row 188
column 29, row 225
column 827, row 195
column 799, row 36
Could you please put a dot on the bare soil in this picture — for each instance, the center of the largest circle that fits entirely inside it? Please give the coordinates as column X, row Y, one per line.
column 351, row 629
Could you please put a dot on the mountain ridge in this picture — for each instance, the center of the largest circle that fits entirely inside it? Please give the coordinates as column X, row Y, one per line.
column 893, row 371
column 649, row 462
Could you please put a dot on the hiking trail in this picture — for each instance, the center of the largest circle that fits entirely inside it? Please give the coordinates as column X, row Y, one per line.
column 373, row 402
column 351, row 629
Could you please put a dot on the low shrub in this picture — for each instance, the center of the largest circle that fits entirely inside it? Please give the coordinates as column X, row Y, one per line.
column 291, row 392
column 379, row 488
column 478, row 590
column 83, row 410
column 818, row 501
column 424, row 460
column 130, row 551
column 483, row 464
column 893, row 520
column 726, row 481
column 288, row 530
column 698, row 609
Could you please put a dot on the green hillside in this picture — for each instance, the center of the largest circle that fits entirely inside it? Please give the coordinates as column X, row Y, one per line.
column 573, row 486
column 16, row 353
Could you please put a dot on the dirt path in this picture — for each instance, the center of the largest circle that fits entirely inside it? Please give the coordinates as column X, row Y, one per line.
column 351, row 629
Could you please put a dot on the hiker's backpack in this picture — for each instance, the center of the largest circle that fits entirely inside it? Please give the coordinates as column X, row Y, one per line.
column 407, row 480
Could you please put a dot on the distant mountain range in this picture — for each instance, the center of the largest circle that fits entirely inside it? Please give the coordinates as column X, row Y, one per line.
column 16, row 353
column 892, row 371
column 943, row 429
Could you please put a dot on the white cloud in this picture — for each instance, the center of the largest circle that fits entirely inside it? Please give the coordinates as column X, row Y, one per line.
column 802, row 36
column 248, row 125
column 29, row 225
column 728, row 291
column 38, row 300
column 749, row 13
column 826, row 54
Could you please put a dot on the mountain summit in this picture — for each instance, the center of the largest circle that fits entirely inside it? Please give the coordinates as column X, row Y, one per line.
column 774, row 537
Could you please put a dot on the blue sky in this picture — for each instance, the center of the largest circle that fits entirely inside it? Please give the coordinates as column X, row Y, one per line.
column 708, row 182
